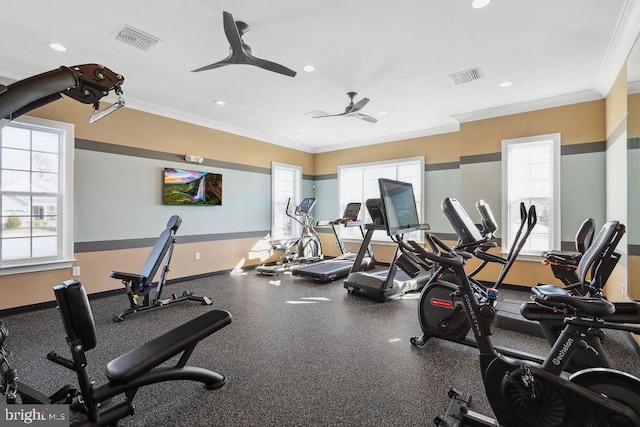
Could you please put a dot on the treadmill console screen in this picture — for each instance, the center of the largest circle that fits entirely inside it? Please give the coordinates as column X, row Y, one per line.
column 352, row 211
column 399, row 205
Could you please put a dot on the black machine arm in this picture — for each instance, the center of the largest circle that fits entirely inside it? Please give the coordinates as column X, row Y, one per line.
column 87, row 83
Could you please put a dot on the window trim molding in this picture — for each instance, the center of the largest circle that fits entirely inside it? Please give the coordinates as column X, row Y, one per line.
column 556, row 141
column 297, row 229
column 65, row 213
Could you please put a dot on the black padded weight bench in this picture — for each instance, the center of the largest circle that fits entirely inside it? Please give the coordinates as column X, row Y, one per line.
column 139, row 367
column 142, row 286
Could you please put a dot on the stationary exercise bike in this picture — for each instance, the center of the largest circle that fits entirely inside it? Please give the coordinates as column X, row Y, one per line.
column 523, row 393
column 441, row 309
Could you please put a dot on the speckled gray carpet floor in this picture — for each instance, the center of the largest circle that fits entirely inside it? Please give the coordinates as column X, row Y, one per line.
column 297, row 353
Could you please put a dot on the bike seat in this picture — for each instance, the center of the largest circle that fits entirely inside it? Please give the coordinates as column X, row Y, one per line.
column 542, row 290
column 562, row 257
column 596, row 307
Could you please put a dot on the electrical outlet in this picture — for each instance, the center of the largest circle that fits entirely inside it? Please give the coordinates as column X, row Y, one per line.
column 197, row 256
column 75, row 271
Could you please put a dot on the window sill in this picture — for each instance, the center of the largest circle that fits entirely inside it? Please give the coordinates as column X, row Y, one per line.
column 32, row 268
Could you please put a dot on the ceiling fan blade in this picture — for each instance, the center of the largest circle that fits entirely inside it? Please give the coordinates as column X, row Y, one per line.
column 367, row 118
column 214, row 65
column 270, row 66
column 360, row 104
column 328, row 115
column 232, row 33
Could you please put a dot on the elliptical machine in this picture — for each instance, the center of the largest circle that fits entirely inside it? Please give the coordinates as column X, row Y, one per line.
column 308, row 246
column 523, row 393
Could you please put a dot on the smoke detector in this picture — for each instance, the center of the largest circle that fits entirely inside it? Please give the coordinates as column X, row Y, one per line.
column 134, row 37
column 466, row 76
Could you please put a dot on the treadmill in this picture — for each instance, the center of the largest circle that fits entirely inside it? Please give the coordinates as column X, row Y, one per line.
column 336, row 268
column 395, row 212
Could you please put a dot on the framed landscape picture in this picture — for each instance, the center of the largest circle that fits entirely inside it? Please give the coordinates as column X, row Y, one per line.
column 186, row 187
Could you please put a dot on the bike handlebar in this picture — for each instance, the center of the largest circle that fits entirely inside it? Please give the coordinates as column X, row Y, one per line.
column 448, row 256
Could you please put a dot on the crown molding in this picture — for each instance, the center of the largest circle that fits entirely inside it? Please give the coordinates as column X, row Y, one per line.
column 390, row 138
column 159, row 110
column 633, row 87
column 622, row 41
column 525, row 107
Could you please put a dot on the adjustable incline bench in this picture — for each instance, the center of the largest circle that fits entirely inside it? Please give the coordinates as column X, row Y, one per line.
column 141, row 285
column 138, row 367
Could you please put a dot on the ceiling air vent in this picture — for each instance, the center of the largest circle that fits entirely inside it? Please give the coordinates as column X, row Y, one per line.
column 466, row 76
column 135, row 37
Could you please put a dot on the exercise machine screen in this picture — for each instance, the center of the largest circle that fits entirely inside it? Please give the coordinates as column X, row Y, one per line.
column 399, row 205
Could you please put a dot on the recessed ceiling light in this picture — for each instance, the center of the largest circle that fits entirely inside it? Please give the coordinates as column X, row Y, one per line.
column 58, row 47
column 383, row 113
column 302, row 130
column 506, row 84
column 308, row 68
column 479, row 4
column 220, row 102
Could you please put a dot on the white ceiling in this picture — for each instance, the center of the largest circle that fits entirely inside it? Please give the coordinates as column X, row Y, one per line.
column 398, row 54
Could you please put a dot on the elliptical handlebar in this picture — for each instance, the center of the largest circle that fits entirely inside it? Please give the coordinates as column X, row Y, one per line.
column 286, row 211
column 448, row 256
column 305, row 213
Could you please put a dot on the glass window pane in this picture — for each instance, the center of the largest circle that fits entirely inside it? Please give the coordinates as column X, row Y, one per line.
column 45, row 182
column 16, row 159
column 45, row 246
column 16, row 226
column 45, row 141
column 16, row 248
column 15, row 180
column 16, row 137
column 540, row 171
column 16, row 205
column 44, row 162
column 540, row 153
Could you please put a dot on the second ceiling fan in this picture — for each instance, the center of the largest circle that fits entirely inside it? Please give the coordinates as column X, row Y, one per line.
column 352, row 110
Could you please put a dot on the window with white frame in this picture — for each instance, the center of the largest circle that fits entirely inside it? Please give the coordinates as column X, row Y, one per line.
column 36, row 189
column 286, row 183
column 359, row 182
column 531, row 175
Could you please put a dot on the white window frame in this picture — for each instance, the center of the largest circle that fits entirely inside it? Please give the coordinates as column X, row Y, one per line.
column 279, row 196
column 351, row 233
column 65, row 250
column 553, row 142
